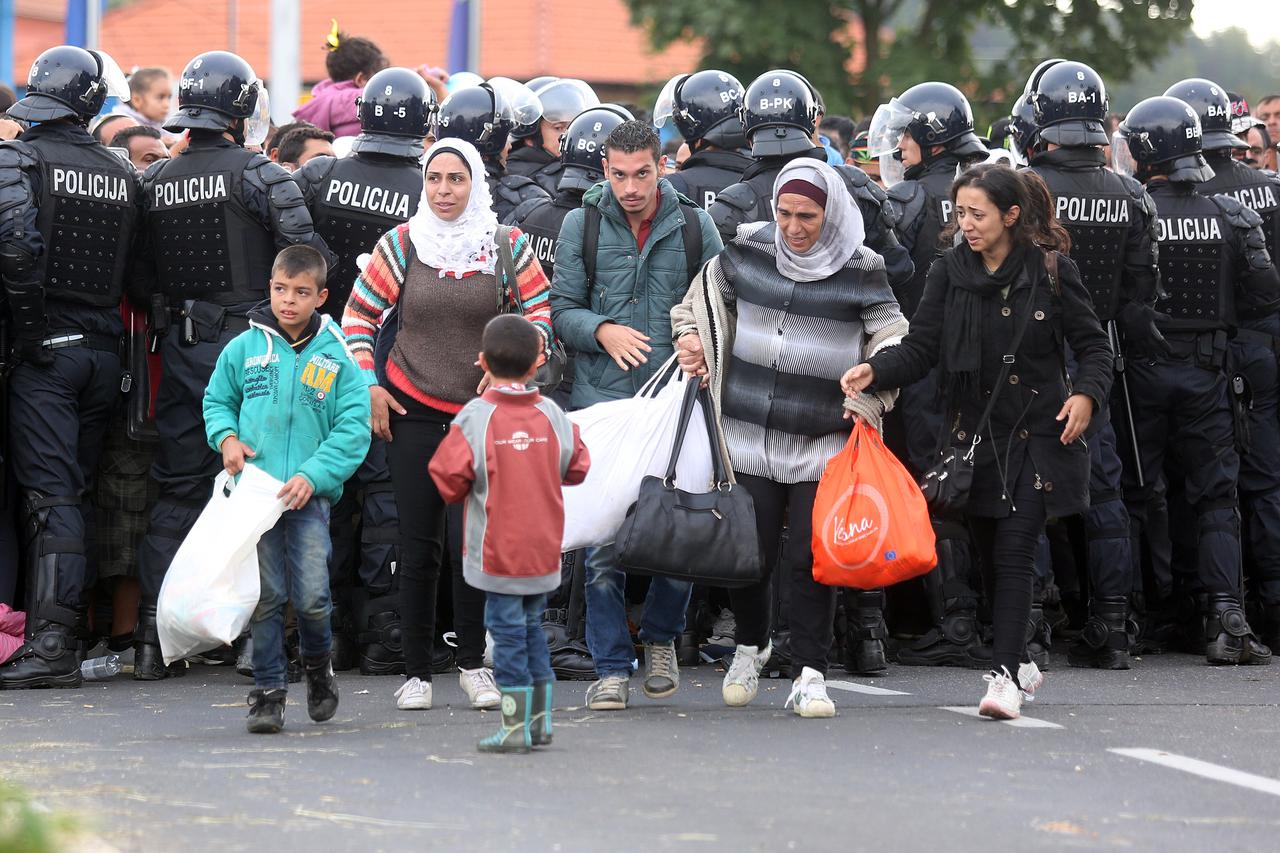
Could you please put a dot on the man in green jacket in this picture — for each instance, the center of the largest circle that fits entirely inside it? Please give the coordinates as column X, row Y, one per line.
column 618, row 325
column 288, row 397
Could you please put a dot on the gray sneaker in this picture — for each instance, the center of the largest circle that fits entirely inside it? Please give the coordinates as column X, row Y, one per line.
column 661, row 671
column 608, row 694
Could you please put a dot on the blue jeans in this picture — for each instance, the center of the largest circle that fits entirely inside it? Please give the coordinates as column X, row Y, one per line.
column 520, row 654
column 293, row 562
column 607, row 635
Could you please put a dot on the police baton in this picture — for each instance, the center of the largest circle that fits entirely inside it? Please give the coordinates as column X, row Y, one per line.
column 1113, row 338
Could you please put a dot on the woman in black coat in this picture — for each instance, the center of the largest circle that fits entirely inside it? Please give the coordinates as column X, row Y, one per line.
column 1031, row 461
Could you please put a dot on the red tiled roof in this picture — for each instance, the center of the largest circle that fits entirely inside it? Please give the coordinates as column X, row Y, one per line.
column 520, row 38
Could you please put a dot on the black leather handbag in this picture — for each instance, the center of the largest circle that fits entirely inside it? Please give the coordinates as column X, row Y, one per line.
column 702, row 538
column 947, row 483
column 551, row 373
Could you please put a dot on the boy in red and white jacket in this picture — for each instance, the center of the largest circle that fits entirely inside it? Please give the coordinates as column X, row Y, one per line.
column 507, row 453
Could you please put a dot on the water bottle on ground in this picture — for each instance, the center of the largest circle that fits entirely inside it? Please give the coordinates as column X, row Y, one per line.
column 100, row 669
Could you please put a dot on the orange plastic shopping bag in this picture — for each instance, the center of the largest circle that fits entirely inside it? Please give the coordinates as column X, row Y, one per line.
column 870, row 522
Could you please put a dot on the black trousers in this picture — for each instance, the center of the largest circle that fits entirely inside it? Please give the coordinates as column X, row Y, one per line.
column 1007, row 548
column 812, row 605
column 415, row 437
column 57, row 419
column 366, row 552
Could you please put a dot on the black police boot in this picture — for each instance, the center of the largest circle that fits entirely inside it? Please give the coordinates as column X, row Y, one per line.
column 570, row 659
column 1039, row 638
column 47, row 659
column 266, row 711
column 381, row 649
column 346, row 654
column 865, row 633
column 1271, row 613
column 954, row 640
column 1104, row 642
column 1228, row 637
column 148, row 662
column 322, row 690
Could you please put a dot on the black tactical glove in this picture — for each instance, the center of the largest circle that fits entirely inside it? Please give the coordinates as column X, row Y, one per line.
column 1138, row 324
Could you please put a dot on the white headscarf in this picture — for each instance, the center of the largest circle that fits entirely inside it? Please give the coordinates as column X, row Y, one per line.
column 842, row 231
column 466, row 243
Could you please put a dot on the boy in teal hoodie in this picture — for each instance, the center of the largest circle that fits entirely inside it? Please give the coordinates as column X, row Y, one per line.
column 288, row 395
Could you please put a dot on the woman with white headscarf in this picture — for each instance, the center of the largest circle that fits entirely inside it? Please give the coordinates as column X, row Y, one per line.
column 772, row 323
column 441, row 269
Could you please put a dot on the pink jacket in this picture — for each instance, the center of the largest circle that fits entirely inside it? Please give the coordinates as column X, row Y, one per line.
column 12, row 625
column 332, row 107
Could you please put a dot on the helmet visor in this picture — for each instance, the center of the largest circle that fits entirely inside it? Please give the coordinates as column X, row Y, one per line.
column 462, row 80
column 665, row 106
column 562, row 100
column 888, row 126
column 1122, row 162
column 891, row 170
column 515, row 102
column 116, row 83
column 258, row 125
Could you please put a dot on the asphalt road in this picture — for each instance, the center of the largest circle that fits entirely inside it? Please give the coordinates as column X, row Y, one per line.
column 168, row 766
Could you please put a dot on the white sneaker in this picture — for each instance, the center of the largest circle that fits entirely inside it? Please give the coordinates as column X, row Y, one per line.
column 809, row 693
column 742, row 681
column 480, row 688
column 414, row 695
column 1003, row 700
column 1029, row 677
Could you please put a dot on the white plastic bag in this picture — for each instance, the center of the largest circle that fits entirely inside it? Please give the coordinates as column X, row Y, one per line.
column 212, row 586
column 629, row 439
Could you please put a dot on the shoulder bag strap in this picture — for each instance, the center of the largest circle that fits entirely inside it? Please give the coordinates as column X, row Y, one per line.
column 686, row 413
column 590, row 245
column 691, row 232
column 508, row 288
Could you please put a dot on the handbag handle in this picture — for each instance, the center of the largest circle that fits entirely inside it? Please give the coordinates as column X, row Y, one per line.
column 677, row 442
column 650, row 387
column 713, row 435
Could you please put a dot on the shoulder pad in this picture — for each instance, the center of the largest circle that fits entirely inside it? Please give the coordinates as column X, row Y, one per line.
column 1236, row 214
column 266, row 172
column 734, row 205
column 904, row 192
column 906, row 203
column 315, row 172
column 860, row 185
column 1140, row 196
column 527, row 208
column 16, row 154
column 153, row 172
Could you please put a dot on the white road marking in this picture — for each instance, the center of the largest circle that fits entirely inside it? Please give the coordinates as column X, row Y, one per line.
column 1020, row 723
column 855, row 687
column 1216, row 772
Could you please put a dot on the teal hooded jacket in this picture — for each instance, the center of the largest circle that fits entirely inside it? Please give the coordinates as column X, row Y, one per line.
column 301, row 412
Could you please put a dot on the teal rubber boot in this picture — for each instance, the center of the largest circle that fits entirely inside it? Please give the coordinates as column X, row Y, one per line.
column 514, row 735
column 540, row 723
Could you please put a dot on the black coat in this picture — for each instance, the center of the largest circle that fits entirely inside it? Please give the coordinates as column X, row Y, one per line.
column 1023, row 423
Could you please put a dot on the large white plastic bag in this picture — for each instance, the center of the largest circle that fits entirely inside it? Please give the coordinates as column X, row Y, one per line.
column 212, row 586
column 629, row 439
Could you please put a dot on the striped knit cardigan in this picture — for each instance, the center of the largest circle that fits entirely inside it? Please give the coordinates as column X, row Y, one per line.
column 377, row 288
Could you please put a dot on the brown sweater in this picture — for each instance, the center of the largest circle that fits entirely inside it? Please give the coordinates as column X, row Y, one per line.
column 441, row 322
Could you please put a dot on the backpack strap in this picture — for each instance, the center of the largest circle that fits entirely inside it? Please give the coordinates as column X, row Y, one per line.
column 691, row 231
column 590, row 244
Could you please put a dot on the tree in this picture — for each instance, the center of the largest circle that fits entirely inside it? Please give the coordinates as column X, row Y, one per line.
column 904, row 42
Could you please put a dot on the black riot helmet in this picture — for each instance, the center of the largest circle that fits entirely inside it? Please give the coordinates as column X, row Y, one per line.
column 934, row 114
column 1023, row 131
column 486, row 114
column 1070, row 103
column 1212, row 104
column 215, row 89
column 778, row 114
column 397, row 102
column 582, row 145
column 1161, row 136
column 69, row 82
column 704, row 107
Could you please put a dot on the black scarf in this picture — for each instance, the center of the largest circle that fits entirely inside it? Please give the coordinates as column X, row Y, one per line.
column 970, row 288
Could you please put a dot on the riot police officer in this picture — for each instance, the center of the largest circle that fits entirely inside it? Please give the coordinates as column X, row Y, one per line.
column 1111, row 220
column 704, row 107
column 926, row 135
column 1215, row 267
column 779, row 118
column 485, row 115
column 1255, row 346
column 215, row 217
column 535, row 148
column 71, row 209
column 354, row 201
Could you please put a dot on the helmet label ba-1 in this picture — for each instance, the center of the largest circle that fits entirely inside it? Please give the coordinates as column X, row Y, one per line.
column 373, row 199
column 77, row 183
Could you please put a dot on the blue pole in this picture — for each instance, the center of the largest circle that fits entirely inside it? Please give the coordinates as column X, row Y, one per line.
column 76, row 30
column 6, row 42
